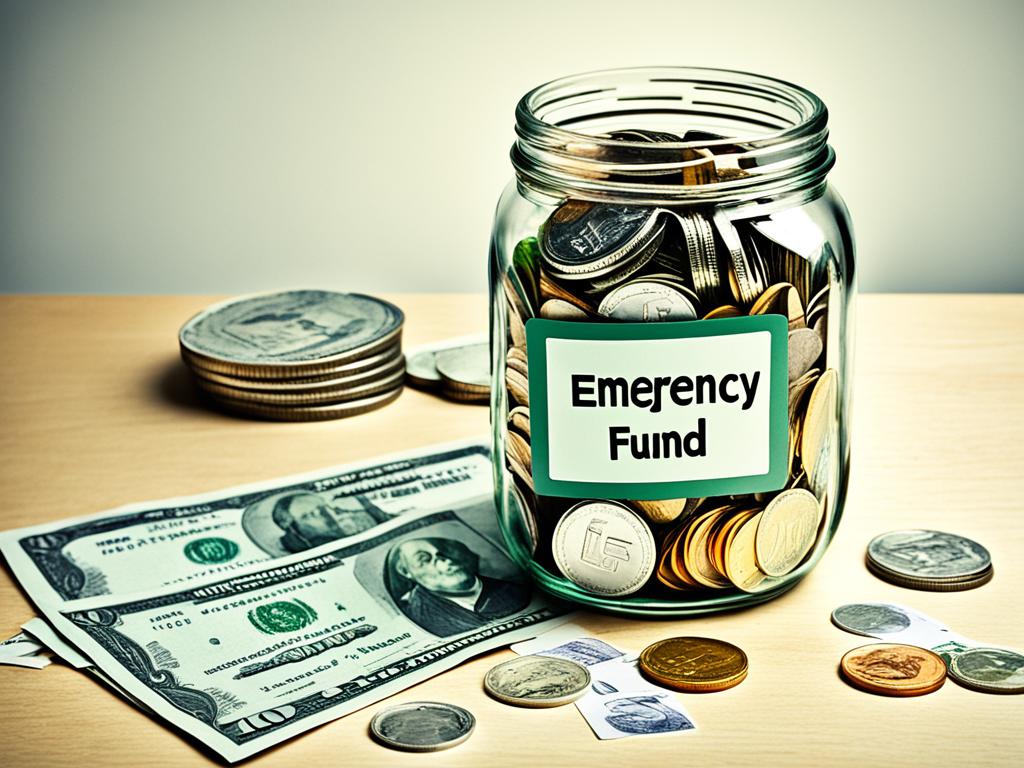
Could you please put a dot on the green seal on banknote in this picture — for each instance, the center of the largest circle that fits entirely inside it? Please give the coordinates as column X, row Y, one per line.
column 212, row 550
column 282, row 616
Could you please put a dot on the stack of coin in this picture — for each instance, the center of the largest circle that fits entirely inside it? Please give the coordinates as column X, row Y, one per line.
column 297, row 355
column 929, row 560
column 596, row 262
column 457, row 370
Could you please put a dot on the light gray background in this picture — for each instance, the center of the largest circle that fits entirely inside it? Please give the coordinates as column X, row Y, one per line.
column 226, row 146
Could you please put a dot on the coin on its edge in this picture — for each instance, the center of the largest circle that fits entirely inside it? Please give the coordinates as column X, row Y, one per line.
column 537, row 681
column 422, row 726
column 694, row 664
column 892, row 669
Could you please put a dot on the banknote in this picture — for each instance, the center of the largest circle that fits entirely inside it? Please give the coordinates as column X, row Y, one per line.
column 183, row 541
column 246, row 662
column 21, row 650
column 621, row 702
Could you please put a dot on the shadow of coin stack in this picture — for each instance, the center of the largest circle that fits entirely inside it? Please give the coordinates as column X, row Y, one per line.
column 304, row 355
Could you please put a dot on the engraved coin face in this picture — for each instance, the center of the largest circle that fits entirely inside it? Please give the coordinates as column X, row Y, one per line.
column 583, row 238
column 786, row 533
column 991, row 670
column 604, row 547
column 537, row 681
column 422, row 726
column 870, row 619
column 645, row 301
column 291, row 327
column 928, row 554
column 696, row 664
column 894, row 670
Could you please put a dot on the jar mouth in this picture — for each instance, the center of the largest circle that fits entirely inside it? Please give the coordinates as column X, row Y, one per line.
column 742, row 136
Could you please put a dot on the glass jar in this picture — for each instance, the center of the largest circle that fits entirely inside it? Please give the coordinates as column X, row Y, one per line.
column 671, row 283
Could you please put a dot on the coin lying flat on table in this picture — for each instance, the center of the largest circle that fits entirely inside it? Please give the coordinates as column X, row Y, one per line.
column 537, row 681
column 694, row 664
column 989, row 670
column 930, row 560
column 604, row 547
column 422, row 726
column 891, row 669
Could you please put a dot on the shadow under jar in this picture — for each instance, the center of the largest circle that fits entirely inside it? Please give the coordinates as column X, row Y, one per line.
column 671, row 284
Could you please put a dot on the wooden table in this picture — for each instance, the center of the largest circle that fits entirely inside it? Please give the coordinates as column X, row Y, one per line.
column 97, row 411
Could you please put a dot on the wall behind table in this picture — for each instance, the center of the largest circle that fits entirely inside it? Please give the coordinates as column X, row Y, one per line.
column 207, row 147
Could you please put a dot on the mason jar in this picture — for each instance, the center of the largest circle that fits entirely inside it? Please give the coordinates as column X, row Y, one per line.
column 671, row 286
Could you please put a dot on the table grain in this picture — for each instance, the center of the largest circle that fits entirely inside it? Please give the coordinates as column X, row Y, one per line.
column 97, row 411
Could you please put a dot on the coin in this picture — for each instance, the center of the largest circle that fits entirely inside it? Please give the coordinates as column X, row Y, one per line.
column 819, row 427
column 787, row 531
column 289, row 330
column 322, row 396
column 526, row 515
column 518, row 386
column 468, row 366
column 551, row 289
column 727, row 310
column 660, row 511
column 644, row 301
column 932, row 585
column 932, row 555
column 893, row 670
column 740, row 558
column 781, row 299
column 989, row 670
column 369, row 367
column 694, row 664
column 699, row 240
column 537, row 681
column 422, row 726
column 870, row 619
column 519, row 449
column 519, row 419
column 805, row 347
column 699, row 563
column 311, row 412
column 556, row 309
column 604, row 547
column 586, row 240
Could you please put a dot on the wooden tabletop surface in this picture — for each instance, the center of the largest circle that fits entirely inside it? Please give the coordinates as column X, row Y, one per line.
column 97, row 411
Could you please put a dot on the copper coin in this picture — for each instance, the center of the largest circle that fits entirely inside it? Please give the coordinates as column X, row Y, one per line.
column 890, row 669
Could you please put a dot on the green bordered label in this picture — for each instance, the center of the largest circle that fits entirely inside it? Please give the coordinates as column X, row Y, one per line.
column 659, row 410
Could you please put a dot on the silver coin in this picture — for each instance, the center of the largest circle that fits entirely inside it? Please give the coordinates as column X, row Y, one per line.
column 422, row 726
column 645, row 301
column 469, row 365
column 310, row 412
column 990, row 670
column 421, row 362
column 291, row 328
column 604, row 547
column 805, row 347
column 327, row 396
column 537, row 681
column 870, row 619
column 584, row 240
column 928, row 555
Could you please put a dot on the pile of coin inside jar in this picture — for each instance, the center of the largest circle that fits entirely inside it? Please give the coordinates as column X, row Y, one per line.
column 605, row 262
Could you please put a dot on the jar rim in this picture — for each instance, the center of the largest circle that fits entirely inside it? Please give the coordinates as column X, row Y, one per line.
column 785, row 148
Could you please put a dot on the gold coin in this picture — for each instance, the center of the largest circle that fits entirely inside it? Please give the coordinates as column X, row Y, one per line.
column 694, row 664
column 781, row 299
column 817, row 441
column 894, row 670
column 725, row 311
column 740, row 560
column 517, row 353
column 550, row 289
column 698, row 560
column 556, row 309
column 519, row 449
column 659, row 511
column 517, row 365
column 518, row 386
column 786, row 533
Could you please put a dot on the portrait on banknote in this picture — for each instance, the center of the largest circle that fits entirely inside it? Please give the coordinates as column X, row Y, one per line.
column 294, row 521
column 449, row 579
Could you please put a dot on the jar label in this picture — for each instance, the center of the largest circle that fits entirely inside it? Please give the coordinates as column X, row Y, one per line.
column 658, row 410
